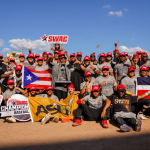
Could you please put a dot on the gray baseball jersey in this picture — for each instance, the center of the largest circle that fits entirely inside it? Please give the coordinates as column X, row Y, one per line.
column 130, row 84
column 122, row 69
column 95, row 103
column 108, row 88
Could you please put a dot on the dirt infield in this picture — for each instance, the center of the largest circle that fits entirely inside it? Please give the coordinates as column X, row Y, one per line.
column 90, row 135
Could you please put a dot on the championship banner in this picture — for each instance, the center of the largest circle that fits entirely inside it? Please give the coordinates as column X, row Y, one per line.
column 17, row 107
column 55, row 38
column 143, row 86
column 39, row 107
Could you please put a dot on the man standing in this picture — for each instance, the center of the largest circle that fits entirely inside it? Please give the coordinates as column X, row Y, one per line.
column 77, row 70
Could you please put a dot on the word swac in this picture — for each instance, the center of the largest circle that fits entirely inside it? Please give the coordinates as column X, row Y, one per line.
column 56, row 38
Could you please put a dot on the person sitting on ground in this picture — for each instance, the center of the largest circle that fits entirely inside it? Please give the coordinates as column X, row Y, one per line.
column 93, row 108
column 92, row 68
column 106, row 82
column 7, row 94
column 122, row 109
column 86, row 86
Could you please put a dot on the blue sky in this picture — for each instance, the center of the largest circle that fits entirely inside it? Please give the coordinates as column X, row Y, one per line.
column 86, row 22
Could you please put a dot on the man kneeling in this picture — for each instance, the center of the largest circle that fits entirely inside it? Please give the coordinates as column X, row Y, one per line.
column 93, row 108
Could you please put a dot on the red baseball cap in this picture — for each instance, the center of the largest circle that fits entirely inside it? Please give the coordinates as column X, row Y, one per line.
column 39, row 58
column 50, row 88
column 121, row 87
column 102, row 55
column 122, row 54
column 50, row 54
column 31, row 55
column 61, row 53
column 44, row 53
column 73, row 55
column 105, row 67
column 136, row 55
column 79, row 54
column 126, row 53
column 10, row 82
column 109, row 54
column 115, row 51
column 88, row 73
column 139, row 52
column 32, row 88
column 93, row 54
column 95, row 88
column 11, row 59
column 86, row 58
column 37, row 55
column 70, row 86
column 144, row 68
column 21, row 55
column 1, row 55
column 56, row 52
column 18, row 67
column 131, row 68
column 63, row 57
column 144, row 54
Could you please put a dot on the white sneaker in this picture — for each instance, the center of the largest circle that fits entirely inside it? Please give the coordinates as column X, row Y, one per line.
column 46, row 118
column 142, row 116
column 10, row 120
column 55, row 119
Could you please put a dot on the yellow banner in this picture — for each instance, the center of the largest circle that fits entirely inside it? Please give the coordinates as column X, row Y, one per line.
column 40, row 106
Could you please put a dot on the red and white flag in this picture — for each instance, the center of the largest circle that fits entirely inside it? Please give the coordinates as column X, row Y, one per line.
column 33, row 78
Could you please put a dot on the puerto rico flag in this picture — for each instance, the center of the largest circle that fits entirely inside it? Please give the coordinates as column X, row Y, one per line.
column 143, row 86
column 38, row 79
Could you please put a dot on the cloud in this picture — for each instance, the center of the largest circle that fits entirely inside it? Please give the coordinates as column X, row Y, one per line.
column 18, row 44
column 132, row 50
column 6, row 50
column 126, row 9
column 1, row 42
column 117, row 13
column 106, row 6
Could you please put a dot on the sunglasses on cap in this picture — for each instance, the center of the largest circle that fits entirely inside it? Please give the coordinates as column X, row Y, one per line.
column 139, row 53
column 18, row 70
column 121, row 91
column 89, row 76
